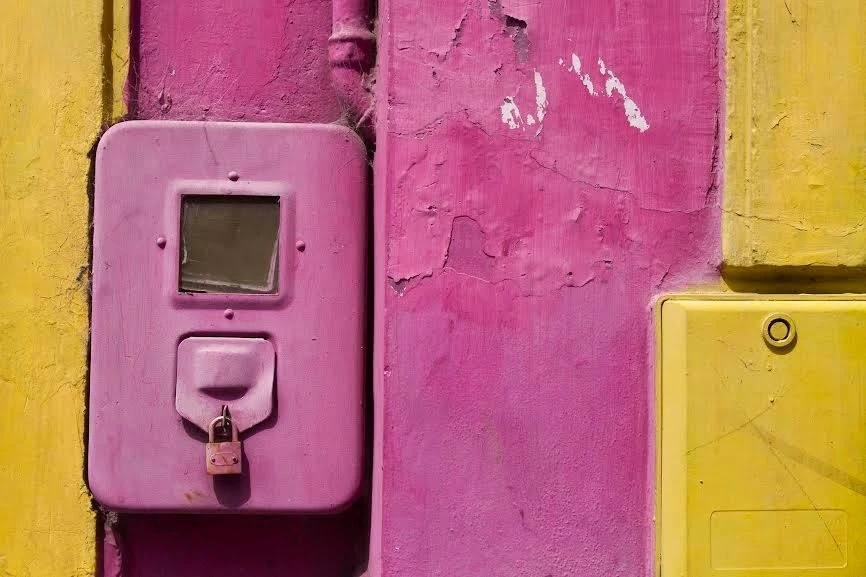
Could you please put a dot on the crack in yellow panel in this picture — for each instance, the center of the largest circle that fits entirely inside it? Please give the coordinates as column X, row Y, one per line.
column 795, row 193
column 761, row 439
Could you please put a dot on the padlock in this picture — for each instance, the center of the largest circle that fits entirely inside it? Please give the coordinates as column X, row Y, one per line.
column 225, row 457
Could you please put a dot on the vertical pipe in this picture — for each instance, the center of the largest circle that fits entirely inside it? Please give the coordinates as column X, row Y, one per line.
column 352, row 53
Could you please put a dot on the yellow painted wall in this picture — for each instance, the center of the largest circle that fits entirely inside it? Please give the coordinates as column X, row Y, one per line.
column 795, row 192
column 118, row 46
column 759, row 447
column 56, row 90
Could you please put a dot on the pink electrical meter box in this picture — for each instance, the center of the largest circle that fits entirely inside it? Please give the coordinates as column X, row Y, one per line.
column 227, row 342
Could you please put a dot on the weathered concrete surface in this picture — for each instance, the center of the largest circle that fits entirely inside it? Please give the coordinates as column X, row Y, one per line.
column 520, row 259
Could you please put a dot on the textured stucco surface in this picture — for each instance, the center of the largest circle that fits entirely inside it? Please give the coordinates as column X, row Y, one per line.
column 233, row 60
column 51, row 107
column 521, row 259
column 795, row 164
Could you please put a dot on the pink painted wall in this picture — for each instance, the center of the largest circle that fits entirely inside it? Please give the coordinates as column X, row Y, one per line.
column 514, row 348
column 233, row 60
column 515, row 269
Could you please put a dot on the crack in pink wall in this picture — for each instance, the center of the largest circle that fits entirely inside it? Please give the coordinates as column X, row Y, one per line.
column 521, row 264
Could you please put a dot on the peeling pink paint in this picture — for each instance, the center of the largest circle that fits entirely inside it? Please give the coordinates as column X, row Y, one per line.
column 514, row 353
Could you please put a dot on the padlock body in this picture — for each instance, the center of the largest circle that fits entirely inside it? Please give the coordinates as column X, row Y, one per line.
column 224, row 458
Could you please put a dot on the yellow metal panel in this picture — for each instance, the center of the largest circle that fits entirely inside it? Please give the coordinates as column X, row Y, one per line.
column 53, row 99
column 762, row 449
column 796, row 145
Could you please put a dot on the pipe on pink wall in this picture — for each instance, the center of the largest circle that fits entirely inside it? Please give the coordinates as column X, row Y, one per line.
column 352, row 53
column 110, row 557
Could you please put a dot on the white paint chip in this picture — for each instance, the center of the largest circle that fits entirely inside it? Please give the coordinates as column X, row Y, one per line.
column 635, row 118
column 540, row 97
column 632, row 112
column 511, row 114
column 612, row 84
column 584, row 78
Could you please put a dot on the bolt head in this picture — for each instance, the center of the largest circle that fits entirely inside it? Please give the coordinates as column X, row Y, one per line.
column 779, row 330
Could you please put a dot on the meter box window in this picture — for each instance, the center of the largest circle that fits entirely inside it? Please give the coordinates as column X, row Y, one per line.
column 227, row 356
column 229, row 244
column 761, row 436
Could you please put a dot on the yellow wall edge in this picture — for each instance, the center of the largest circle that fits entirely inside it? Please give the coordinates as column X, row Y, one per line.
column 117, row 45
column 53, row 105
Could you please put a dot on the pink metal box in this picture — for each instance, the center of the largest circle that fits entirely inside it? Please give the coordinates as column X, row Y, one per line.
column 290, row 365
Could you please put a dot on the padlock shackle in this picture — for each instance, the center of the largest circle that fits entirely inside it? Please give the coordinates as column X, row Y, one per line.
column 224, row 420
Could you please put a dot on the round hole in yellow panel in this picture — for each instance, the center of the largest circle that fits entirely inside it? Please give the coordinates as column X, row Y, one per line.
column 779, row 330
